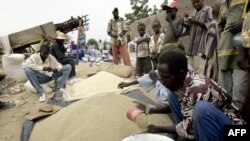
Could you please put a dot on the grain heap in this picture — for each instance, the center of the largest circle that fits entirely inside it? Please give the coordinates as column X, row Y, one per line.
column 97, row 118
column 102, row 82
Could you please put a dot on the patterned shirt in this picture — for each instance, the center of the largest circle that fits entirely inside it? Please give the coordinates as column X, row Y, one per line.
column 197, row 88
column 197, row 33
column 116, row 27
column 155, row 47
column 142, row 49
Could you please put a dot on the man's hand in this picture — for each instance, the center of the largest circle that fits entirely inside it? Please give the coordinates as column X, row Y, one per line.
column 153, row 76
column 243, row 64
column 191, row 20
column 153, row 129
column 123, row 85
column 243, row 60
column 169, row 17
column 143, row 107
column 114, row 36
column 121, row 34
column 235, row 27
column 147, row 40
column 154, row 56
column 55, row 70
column 49, row 69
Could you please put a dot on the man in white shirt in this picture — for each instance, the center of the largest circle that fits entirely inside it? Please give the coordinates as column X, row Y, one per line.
column 42, row 67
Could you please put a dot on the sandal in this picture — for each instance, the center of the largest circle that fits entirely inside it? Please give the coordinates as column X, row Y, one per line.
column 6, row 105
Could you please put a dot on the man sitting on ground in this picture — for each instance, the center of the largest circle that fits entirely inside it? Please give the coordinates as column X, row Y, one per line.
column 200, row 106
column 58, row 51
column 42, row 67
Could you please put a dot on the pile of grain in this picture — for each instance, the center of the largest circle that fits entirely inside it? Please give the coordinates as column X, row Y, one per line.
column 98, row 118
column 102, row 82
column 142, row 121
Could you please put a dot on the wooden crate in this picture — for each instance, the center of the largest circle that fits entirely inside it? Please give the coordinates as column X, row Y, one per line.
column 32, row 35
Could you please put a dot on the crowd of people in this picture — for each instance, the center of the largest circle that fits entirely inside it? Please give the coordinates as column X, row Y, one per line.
column 204, row 84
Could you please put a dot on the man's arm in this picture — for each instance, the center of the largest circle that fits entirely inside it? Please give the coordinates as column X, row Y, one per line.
column 56, row 64
column 58, row 54
column 125, row 27
column 161, row 129
column 127, row 84
column 209, row 18
column 109, row 30
column 196, row 22
column 145, row 39
column 159, row 110
column 177, row 29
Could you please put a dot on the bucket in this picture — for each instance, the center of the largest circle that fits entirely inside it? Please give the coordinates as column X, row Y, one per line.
column 106, row 53
column 147, row 137
column 133, row 113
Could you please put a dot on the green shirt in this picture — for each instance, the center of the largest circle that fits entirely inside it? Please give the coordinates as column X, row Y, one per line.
column 227, row 53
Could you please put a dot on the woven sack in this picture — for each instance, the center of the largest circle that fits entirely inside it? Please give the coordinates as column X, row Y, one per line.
column 119, row 70
column 12, row 65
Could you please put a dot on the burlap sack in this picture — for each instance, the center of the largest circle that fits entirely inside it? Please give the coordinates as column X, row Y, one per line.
column 41, row 110
column 119, row 70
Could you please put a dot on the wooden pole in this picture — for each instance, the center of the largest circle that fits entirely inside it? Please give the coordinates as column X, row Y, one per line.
column 78, row 40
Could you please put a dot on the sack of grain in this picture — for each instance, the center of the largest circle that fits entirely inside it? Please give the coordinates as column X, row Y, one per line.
column 28, row 86
column 12, row 66
column 119, row 70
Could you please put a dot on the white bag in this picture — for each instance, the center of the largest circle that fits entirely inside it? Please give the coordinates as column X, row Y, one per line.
column 12, row 66
column 28, row 86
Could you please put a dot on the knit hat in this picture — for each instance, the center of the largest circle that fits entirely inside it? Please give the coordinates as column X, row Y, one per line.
column 171, row 4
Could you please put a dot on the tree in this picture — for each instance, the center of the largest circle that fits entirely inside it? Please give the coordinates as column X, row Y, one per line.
column 92, row 42
column 140, row 10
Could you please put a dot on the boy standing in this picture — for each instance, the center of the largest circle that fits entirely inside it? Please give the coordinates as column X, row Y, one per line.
column 143, row 62
column 211, row 41
column 196, row 49
column 155, row 42
column 174, row 28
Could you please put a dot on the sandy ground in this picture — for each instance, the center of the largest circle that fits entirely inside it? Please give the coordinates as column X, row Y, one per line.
column 11, row 120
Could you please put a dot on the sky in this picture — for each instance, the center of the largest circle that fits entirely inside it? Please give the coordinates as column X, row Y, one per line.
column 18, row 15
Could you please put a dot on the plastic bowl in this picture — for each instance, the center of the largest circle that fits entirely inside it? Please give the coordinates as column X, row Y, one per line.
column 147, row 137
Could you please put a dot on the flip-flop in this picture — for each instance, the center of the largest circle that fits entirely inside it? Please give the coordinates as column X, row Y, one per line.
column 6, row 105
column 2, row 76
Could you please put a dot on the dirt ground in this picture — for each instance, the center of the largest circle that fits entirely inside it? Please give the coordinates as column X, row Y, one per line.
column 11, row 120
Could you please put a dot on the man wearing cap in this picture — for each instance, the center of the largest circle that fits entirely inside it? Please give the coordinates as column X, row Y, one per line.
column 174, row 28
column 117, row 29
column 58, row 51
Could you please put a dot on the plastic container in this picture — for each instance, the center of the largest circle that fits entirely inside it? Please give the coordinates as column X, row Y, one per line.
column 147, row 137
column 133, row 113
column 138, row 116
